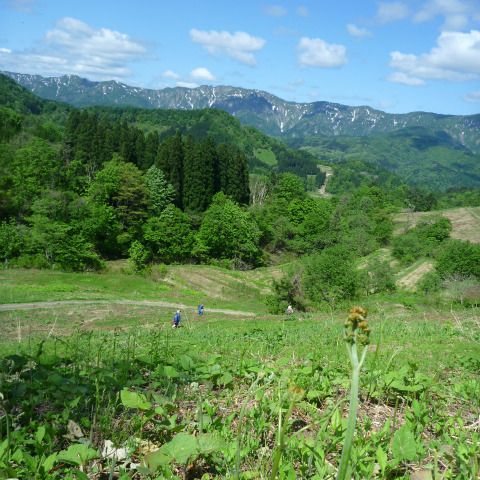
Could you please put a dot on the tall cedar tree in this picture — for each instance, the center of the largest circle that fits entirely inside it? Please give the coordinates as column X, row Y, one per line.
column 199, row 174
column 152, row 143
column 196, row 169
column 232, row 173
column 170, row 160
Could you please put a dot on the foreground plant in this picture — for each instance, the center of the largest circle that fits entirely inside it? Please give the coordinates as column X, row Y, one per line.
column 294, row 395
column 356, row 335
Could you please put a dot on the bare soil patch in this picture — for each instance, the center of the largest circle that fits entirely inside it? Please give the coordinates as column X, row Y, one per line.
column 410, row 279
column 465, row 222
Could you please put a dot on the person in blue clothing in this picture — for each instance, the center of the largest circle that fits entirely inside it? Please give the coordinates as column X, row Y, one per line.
column 176, row 319
column 201, row 308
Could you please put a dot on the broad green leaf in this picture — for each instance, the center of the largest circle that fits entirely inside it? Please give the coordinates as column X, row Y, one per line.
column 417, row 408
column 160, row 411
column 17, row 456
column 186, row 362
column 183, row 447
column 78, row 475
column 336, row 420
column 170, row 372
column 49, row 462
column 39, row 434
column 156, row 459
column 404, row 447
column 3, row 448
column 134, row 400
column 225, row 379
column 78, row 454
column 210, row 442
column 312, row 394
column 381, row 458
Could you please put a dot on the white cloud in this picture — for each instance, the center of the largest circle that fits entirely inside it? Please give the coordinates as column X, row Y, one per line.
column 23, row 6
column 473, row 96
column 239, row 45
column 202, row 73
column 456, row 57
column 404, row 79
column 5, row 50
column 391, row 12
column 187, row 84
column 315, row 52
column 170, row 74
column 455, row 12
column 275, row 10
column 355, row 31
column 303, row 11
column 75, row 47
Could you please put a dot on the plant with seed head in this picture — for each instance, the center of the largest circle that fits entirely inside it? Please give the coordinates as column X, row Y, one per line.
column 357, row 334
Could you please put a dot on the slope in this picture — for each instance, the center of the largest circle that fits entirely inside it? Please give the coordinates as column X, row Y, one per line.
column 42, row 117
column 421, row 156
column 260, row 109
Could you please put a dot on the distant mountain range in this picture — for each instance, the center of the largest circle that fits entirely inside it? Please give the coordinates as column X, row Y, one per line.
column 290, row 120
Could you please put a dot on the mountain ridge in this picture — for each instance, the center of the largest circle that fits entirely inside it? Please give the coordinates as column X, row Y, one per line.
column 263, row 110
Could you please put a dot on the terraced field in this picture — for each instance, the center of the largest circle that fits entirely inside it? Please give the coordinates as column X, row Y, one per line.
column 465, row 221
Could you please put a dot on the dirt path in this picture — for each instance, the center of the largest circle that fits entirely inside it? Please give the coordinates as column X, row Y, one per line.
column 322, row 191
column 411, row 279
column 145, row 303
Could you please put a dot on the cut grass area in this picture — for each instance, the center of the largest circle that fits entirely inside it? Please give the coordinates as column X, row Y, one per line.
column 465, row 222
column 190, row 285
column 20, row 325
column 266, row 156
column 409, row 277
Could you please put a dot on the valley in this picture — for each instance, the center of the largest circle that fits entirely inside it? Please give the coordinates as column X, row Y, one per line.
column 112, row 219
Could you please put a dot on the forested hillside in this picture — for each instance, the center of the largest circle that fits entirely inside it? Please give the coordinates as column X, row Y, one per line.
column 270, row 114
column 80, row 187
column 418, row 155
column 438, row 152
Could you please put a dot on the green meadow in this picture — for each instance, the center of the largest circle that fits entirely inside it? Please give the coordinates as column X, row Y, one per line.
column 106, row 389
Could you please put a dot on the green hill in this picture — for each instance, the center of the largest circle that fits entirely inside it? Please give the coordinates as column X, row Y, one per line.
column 266, row 112
column 27, row 111
column 420, row 156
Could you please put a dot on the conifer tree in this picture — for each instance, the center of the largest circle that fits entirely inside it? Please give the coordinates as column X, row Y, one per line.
column 170, row 160
column 199, row 180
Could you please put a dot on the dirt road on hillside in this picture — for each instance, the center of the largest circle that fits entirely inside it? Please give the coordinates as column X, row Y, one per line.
column 410, row 280
column 145, row 303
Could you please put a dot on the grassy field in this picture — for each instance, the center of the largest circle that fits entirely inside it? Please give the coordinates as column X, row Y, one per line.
column 108, row 390
column 465, row 222
column 190, row 285
column 266, row 156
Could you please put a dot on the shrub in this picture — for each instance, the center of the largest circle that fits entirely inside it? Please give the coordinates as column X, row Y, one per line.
column 430, row 283
column 331, row 276
column 378, row 277
column 158, row 272
column 459, row 258
column 287, row 291
column 138, row 256
column 10, row 242
column 422, row 240
column 228, row 232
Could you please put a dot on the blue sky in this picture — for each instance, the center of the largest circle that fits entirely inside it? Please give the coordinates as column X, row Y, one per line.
column 397, row 56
